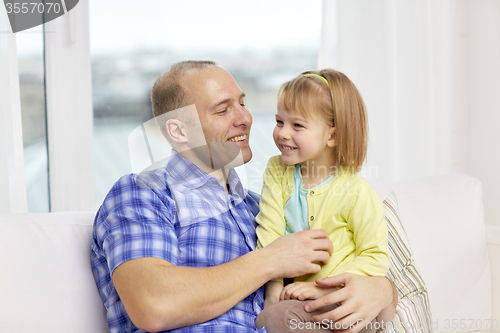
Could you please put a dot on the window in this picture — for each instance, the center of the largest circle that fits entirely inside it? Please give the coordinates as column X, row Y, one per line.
column 261, row 43
column 30, row 48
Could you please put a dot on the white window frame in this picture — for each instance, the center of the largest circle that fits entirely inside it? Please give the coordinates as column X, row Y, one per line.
column 12, row 182
column 69, row 111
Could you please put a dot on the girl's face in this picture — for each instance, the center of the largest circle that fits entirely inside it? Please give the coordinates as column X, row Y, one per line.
column 303, row 139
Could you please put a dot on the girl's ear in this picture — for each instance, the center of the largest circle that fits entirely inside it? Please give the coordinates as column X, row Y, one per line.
column 176, row 130
column 332, row 140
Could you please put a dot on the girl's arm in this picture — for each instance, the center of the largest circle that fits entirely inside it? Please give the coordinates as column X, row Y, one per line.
column 366, row 220
column 271, row 218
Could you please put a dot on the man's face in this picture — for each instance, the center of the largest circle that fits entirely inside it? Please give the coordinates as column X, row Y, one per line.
column 224, row 119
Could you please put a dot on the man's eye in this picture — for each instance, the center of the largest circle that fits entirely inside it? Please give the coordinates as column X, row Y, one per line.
column 221, row 112
column 242, row 103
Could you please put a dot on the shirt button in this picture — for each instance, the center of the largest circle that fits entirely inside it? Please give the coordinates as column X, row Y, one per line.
column 311, row 193
column 311, row 218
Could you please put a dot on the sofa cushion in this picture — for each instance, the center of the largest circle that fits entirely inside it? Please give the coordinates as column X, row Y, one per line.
column 46, row 282
column 443, row 217
column 413, row 311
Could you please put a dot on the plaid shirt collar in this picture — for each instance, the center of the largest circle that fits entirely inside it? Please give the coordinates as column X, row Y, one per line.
column 182, row 172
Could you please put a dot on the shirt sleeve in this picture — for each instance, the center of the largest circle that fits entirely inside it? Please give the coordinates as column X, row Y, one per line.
column 134, row 223
column 271, row 218
column 366, row 220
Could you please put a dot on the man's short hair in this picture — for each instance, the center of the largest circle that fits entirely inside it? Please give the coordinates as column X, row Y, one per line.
column 167, row 94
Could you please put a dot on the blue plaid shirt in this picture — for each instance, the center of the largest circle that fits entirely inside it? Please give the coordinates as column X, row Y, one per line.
column 182, row 215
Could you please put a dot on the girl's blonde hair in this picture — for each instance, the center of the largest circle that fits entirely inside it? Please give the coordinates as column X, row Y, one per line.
column 339, row 103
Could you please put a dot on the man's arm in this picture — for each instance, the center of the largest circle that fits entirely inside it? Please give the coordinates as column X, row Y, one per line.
column 159, row 296
column 387, row 314
column 363, row 297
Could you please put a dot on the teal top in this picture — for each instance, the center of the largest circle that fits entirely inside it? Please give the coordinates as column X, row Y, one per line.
column 296, row 211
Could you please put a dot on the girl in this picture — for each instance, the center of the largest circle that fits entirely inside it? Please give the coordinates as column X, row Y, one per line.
column 321, row 131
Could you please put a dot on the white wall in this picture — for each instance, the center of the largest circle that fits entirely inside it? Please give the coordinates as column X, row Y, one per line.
column 429, row 72
column 484, row 116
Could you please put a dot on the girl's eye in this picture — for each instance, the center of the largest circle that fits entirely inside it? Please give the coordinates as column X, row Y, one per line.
column 279, row 122
column 298, row 125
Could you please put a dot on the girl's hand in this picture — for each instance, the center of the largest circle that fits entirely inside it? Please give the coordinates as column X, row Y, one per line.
column 304, row 290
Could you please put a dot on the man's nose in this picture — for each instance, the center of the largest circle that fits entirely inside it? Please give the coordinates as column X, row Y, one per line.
column 243, row 117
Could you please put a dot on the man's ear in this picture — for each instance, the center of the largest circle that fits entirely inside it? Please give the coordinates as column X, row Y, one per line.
column 176, row 130
column 332, row 139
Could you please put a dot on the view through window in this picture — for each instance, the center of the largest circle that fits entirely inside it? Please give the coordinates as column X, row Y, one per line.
column 32, row 91
column 261, row 43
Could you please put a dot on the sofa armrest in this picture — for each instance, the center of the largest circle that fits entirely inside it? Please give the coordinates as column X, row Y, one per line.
column 493, row 241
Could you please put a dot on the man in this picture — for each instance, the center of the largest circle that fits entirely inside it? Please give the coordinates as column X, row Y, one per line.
column 173, row 247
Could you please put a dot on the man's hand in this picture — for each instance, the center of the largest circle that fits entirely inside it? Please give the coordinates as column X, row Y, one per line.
column 362, row 298
column 304, row 290
column 298, row 253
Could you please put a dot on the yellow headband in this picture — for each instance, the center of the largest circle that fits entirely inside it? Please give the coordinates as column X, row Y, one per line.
column 319, row 77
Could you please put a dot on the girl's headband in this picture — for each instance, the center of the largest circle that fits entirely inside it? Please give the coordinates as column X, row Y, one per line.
column 319, row 77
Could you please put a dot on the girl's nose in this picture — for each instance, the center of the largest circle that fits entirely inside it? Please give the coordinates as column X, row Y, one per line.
column 284, row 133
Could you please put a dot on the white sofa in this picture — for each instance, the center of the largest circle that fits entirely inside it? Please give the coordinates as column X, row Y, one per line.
column 46, row 283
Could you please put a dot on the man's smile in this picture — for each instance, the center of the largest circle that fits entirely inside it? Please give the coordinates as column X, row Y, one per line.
column 238, row 138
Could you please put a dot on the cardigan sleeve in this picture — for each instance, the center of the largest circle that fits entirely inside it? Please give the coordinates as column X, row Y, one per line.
column 271, row 218
column 366, row 221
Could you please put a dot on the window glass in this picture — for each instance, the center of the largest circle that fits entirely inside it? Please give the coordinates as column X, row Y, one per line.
column 32, row 91
column 261, row 43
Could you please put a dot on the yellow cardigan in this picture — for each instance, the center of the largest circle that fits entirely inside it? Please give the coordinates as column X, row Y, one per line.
column 346, row 207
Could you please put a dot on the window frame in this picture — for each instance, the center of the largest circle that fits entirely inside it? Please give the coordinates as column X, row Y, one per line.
column 69, row 111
